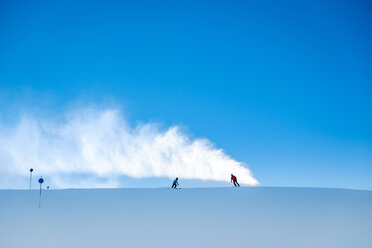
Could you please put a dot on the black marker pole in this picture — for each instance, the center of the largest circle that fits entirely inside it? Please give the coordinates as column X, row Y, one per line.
column 31, row 170
column 41, row 180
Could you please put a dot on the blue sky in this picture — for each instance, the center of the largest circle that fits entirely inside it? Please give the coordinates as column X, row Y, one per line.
column 282, row 86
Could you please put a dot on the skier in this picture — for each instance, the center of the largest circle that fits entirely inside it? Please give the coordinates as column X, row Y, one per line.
column 175, row 183
column 234, row 180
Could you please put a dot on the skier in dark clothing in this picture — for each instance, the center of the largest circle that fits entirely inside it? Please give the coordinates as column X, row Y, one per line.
column 234, row 180
column 175, row 183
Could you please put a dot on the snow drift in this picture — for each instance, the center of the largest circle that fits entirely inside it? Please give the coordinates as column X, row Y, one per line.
column 93, row 148
column 204, row 217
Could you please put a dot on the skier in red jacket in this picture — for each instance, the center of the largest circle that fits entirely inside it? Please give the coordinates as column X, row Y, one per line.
column 234, row 180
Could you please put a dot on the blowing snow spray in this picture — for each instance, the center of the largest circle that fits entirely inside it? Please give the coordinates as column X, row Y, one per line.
column 31, row 170
column 41, row 180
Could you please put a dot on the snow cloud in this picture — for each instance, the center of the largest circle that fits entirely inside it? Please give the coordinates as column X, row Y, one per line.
column 100, row 145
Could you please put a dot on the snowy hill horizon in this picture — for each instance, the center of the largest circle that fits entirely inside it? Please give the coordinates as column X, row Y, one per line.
column 189, row 217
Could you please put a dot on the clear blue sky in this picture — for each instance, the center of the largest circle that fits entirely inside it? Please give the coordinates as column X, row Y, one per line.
column 284, row 86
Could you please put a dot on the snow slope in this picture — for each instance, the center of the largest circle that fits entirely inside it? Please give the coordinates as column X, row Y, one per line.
column 199, row 217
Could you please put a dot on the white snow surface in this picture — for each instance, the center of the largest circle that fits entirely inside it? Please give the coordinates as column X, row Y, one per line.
column 191, row 217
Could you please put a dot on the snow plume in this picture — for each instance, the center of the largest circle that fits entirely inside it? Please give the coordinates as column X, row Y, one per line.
column 94, row 148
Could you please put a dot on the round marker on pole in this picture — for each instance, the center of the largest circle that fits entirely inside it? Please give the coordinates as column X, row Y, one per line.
column 31, row 170
column 41, row 180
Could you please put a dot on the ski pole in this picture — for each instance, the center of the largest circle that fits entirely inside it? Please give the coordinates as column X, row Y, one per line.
column 41, row 180
column 31, row 170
